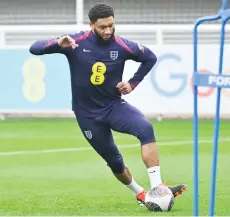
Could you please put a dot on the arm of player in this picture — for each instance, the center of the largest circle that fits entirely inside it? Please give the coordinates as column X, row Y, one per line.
column 56, row 45
column 144, row 55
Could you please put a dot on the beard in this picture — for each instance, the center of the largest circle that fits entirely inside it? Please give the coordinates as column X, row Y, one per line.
column 103, row 41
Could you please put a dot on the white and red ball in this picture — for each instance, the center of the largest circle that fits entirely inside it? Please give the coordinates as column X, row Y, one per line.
column 159, row 199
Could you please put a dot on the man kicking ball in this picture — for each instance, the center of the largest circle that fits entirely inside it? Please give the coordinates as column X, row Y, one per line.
column 96, row 59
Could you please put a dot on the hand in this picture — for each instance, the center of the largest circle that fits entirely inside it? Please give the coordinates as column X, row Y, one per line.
column 124, row 87
column 66, row 42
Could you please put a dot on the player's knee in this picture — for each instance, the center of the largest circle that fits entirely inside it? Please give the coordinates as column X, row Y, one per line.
column 116, row 164
column 145, row 133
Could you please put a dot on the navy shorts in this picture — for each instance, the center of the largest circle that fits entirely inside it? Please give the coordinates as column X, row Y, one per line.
column 123, row 118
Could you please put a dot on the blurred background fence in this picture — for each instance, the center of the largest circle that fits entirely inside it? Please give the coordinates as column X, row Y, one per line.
column 40, row 86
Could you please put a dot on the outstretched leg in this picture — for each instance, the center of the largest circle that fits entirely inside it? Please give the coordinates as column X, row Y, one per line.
column 99, row 135
column 127, row 119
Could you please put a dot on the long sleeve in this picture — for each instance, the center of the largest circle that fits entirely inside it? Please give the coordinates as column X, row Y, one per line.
column 144, row 55
column 41, row 47
column 51, row 46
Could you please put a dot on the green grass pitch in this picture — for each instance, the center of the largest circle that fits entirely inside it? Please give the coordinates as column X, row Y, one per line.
column 51, row 170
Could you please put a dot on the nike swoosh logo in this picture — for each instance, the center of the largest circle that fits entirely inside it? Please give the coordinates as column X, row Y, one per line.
column 84, row 50
column 152, row 172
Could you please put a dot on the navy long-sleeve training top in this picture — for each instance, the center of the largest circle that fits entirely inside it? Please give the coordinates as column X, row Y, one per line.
column 97, row 68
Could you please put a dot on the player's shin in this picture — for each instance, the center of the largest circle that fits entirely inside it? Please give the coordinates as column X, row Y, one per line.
column 127, row 179
column 150, row 157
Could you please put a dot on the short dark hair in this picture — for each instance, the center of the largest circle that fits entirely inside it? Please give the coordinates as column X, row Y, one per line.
column 100, row 11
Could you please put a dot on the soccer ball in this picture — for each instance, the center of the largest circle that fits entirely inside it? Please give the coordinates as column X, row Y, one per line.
column 159, row 199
